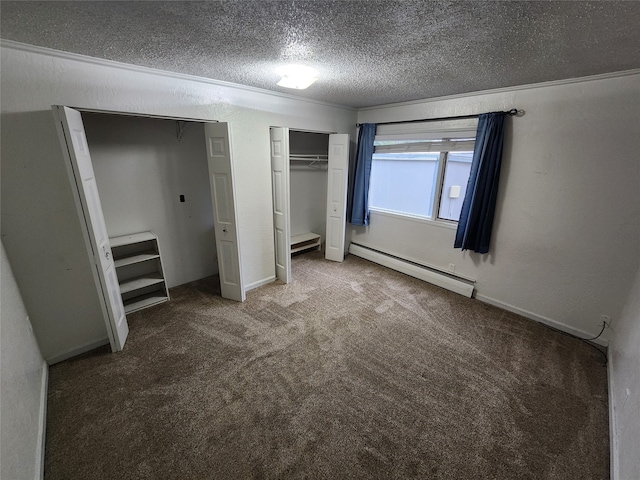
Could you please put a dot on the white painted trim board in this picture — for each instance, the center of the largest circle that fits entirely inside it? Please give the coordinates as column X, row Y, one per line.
column 515, row 88
column 42, row 422
column 74, row 352
column 541, row 319
column 260, row 283
column 613, row 431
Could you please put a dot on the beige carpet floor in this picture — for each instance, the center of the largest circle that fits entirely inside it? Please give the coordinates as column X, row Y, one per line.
column 352, row 371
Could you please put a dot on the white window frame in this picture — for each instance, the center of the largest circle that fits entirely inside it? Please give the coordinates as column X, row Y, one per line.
column 426, row 131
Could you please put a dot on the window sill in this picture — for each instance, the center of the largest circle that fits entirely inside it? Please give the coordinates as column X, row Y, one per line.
column 414, row 218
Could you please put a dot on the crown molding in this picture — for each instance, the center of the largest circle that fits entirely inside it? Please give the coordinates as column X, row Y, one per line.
column 515, row 88
column 13, row 45
column 50, row 52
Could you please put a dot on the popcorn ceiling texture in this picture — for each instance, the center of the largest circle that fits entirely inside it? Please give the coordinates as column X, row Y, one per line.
column 367, row 52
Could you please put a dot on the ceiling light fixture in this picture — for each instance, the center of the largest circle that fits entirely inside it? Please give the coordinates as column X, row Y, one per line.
column 297, row 76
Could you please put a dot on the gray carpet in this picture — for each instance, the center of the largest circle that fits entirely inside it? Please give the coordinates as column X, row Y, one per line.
column 352, row 371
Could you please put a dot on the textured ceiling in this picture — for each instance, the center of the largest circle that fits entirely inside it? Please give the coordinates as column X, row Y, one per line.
column 367, row 52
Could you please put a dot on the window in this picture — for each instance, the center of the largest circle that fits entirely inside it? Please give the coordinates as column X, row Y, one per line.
column 421, row 177
column 454, row 185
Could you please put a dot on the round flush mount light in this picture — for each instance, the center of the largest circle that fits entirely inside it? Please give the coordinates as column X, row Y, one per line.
column 297, row 76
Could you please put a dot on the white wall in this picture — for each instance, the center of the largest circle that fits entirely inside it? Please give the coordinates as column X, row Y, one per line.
column 39, row 222
column 23, row 386
column 308, row 185
column 624, row 355
column 567, row 227
column 142, row 169
column 308, row 200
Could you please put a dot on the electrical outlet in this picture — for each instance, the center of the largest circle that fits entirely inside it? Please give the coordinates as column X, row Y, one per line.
column 606, row 319
column 452, row 267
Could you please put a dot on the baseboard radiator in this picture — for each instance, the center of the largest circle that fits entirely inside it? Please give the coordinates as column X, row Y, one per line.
column 435, row 277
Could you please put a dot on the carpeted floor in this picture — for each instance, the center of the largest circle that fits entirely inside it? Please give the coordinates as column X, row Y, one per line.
column 352, row 371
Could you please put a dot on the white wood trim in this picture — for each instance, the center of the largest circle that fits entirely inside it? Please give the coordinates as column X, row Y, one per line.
column 143, row 281
column 414, row 218
column 134, row 238
column 144, row 115
column 613, row 431
column 137, row 258
column 74, row 352
column 144, row 301
column 25, row 47
column 259, row 283
column 541, row 319
column 515, row 88
column 305, row 237
column 439, row 279
column 42, row 423
column 310, row 240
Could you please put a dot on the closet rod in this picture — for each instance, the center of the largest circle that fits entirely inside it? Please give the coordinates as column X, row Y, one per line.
column 309, row 158
column 514, row 112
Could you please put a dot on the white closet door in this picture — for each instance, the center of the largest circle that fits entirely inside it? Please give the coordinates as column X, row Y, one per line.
column 80, row 169
column 281, row 210
column 337, row 196
column 224, row 211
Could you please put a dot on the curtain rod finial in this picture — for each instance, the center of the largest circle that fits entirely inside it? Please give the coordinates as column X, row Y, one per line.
column 514, row 112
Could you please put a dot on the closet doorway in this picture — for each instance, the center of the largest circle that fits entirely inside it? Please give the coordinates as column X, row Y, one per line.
column 211, row 238
column 309, row 172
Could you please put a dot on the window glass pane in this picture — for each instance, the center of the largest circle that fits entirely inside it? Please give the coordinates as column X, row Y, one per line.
column 404, row 182
column 456, row 176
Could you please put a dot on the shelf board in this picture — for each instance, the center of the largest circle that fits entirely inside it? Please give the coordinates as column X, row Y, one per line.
column 305, row 237
column 305, row 241
column 144, row 301
column 136, row 258
column 129, row 239
column 140, row 282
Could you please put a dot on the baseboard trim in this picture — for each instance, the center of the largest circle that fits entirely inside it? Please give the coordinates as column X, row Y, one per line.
column 42, row 422
column 426, row 274
column 613, row 437
column 541, row 319
column 259, row 283
column 74, row 352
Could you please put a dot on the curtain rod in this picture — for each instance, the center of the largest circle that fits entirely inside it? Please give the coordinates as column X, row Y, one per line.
column 514, row 112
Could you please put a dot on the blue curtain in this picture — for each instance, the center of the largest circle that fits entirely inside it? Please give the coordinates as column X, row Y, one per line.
column 359, row 214
column 478, row 208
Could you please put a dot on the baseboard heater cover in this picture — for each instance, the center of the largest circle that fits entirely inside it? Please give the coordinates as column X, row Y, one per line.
column 440, row 279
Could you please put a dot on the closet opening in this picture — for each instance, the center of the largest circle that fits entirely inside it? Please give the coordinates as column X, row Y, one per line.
column 157, row 199
column 308, row 157
column 144, row 168
column 309, row 182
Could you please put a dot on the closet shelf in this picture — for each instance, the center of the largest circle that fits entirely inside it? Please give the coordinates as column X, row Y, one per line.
column 138, row 265
column 130, row 239
column 143, row 301
column 136, row 258
column 305, row 241
column 138, row 283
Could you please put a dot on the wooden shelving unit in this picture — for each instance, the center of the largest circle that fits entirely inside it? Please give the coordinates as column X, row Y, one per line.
column 139, row 268
column 305, row 241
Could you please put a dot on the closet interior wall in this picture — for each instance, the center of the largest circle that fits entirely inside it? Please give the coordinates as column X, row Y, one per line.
column 142, row 168
column 308, row 182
